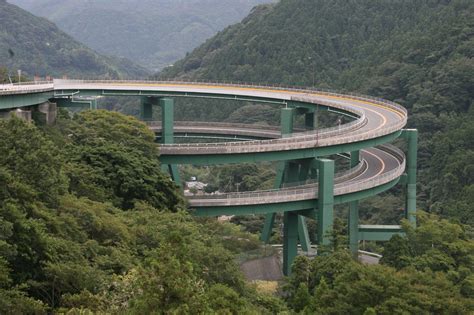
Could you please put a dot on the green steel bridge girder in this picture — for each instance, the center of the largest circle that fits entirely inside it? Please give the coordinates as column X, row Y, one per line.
column 378, row 232
column 75, row 103
column 24, row 100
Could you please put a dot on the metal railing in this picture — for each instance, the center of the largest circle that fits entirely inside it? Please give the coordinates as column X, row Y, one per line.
column 214, row 124
column 26, row 87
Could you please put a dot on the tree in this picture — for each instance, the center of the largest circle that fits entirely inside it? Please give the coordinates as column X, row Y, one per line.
column 114, row 156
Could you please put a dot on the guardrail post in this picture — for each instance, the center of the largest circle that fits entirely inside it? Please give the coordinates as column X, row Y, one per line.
column 290, row 240
column 146, row 108
column 325, row 200
column 411, row 135
column 354, row 213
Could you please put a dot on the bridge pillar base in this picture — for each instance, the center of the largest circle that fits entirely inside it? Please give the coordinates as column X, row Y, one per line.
column 47, row 113
column 20, row 113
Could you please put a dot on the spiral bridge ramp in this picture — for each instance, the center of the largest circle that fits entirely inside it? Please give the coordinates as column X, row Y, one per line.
column 307, row 185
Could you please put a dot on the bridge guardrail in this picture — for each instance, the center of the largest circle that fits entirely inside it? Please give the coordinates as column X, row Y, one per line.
column 25, row 88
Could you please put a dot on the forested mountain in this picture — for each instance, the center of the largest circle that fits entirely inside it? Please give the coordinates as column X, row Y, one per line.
column 417, row 53
column 38, row 47
column 153, row 33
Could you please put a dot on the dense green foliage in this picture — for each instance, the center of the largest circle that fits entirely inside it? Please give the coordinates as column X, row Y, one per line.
column 432, row 275
column 114, row 157
column 152, row 33
column 38, row 47
column 417, row 53
column 88, row 221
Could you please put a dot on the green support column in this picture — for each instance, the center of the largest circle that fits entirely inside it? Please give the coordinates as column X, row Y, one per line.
column 93, row 104
column 325, row 200
column 309, row 120
column 290, row 241
column 412, row 138
column 167, row 120
column 167, row 134
column 292, row 172
column 286, row 122
column 267, row 227
column 174, row 172
column 354, row 214
column 287, row 115
column 303, row 234
column 270, row 217
column 146, row 108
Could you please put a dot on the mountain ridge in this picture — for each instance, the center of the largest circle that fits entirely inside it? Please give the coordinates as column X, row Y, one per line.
column 152, row 33
column 37, row 47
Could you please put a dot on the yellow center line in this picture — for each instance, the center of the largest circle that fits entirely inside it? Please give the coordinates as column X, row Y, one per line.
column 378, row 158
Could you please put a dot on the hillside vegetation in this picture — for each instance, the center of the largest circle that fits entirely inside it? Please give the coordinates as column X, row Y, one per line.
column 153, row 33
column 88, row 221
column 417, row 53
column 38, row 47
